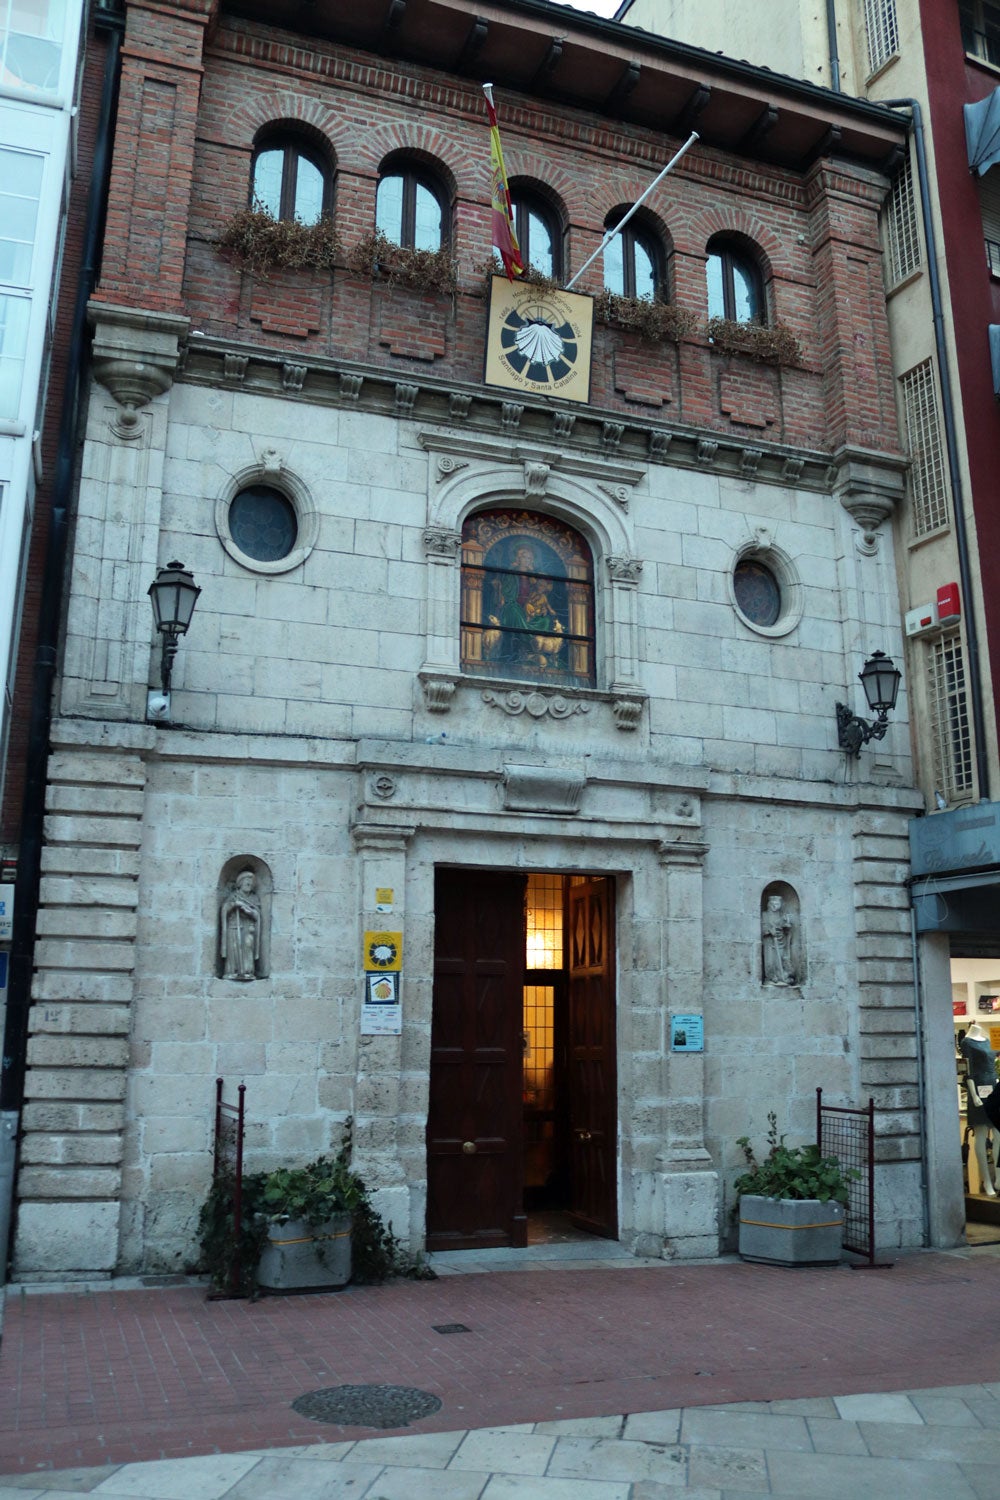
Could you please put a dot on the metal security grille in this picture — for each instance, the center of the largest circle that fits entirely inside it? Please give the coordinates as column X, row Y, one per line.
column 950, row 734
column 902, row 241
column 849, row 1135
column 227, row 1174
column 883, row 33
column 928, row 477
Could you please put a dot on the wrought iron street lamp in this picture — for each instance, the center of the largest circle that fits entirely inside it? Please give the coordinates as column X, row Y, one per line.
column 880, row 678
column 173, row 595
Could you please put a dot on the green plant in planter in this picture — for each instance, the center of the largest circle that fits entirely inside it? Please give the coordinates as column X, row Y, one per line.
column 792, row 1171
column 315, row 1194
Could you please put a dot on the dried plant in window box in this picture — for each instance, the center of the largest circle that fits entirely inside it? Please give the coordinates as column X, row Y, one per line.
column 421, row 270
column 769, row 344
column 532, row 277
column 263, row 244
column 654, row 321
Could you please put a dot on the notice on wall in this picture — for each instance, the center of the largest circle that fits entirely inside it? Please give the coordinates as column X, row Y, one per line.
column 383, row 900
column 6, row 913
column 381, row 1010
column 687, row 1034
column 383, row 951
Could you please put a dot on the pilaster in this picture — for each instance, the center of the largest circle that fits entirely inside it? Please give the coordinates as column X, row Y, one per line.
column 74, row 1112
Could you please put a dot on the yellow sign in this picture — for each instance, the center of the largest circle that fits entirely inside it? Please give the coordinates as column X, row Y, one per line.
column 384, row 950
column 538, row 341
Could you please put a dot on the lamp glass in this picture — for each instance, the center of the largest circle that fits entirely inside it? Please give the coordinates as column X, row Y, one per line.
column 173, row 594
column 880, row 678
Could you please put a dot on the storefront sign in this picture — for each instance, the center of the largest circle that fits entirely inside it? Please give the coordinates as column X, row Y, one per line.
column 965, row 838
column 687, row 1034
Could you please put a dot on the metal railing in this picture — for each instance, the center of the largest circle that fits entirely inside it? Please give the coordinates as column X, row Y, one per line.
column 849, row 1135
column 227, row 1172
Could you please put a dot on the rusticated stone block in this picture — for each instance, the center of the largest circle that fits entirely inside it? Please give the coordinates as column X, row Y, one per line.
column 75, row 1083
column 49, row 1051
column 42, row 1115
column 71, row 1150
column 69, row 1182
column 66, row 1237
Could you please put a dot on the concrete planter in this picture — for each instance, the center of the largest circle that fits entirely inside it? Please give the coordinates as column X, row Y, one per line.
column 790, row 1231
column 296, row 1257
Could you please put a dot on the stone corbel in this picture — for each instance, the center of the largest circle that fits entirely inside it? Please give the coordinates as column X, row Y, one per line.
column 627, row 709
column 135, row 356
column 438, row 691
column 869, row 486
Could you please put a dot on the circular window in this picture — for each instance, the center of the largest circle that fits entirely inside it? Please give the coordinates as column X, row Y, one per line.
column 262, row 523
column 758, row 593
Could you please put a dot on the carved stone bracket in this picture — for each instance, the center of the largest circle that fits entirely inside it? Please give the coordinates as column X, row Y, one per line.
column 706, row 450
column 136, row 355
column 234, row 368
column 619, row 493
column 611, row 435
column 624, row 569
column 350, row 386
column 438, row 692
column 562, row 423
column 510, row 417
column 459, row 405
column 293, row 377
column 536, row 478
column 659, row 445
column 869, row 488
column 406, row 396
column 537, row 705
column 441, row 541
column 627, row 712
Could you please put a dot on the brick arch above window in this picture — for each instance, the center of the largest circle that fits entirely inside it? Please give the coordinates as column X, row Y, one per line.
column 275, row 108
column 775, row 257
column 423, row 144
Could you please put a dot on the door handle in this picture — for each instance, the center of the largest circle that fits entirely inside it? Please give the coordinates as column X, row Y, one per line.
column 469, row 1147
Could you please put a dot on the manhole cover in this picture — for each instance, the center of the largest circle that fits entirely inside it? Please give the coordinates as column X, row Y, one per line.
column 451, row 1328
column 367, row 1405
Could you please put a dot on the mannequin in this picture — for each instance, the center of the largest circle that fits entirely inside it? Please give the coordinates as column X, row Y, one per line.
column 980, row 1083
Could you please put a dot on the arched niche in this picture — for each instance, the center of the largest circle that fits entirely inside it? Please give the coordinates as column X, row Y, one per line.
column 243, row 919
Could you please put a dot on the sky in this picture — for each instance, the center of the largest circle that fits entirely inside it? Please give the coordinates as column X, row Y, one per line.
column 599, row 7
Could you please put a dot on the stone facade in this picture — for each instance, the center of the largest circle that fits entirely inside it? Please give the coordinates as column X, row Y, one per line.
column 325, row 732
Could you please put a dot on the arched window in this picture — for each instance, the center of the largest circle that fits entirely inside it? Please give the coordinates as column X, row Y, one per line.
column 538, row 232
column 527, row 598
column 290, row 181
column 633, row 261
column 735, row 287
column 411, row 208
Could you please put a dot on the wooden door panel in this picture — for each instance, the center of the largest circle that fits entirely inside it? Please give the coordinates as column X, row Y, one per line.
column 474, row 1167
column 592, row 1058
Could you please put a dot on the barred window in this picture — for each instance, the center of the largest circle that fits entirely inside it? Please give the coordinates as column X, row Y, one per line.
column 980, row 22
column 989, row 204
column 899, row 217
column 527, row 598
column 928, row 479
column 883, row 32
column 950, row 735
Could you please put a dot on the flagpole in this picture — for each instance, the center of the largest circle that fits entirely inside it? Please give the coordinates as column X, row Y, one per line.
column 636, row 205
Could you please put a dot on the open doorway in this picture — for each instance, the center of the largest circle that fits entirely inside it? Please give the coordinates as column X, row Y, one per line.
column 975, row 996
column 522, row 1117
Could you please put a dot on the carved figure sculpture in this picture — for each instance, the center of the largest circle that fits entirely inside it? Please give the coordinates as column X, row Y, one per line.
column 239, row 928
column 776, row 940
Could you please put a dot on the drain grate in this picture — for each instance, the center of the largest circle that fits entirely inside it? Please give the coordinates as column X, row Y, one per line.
column 451, row 1328
column 367, row 1405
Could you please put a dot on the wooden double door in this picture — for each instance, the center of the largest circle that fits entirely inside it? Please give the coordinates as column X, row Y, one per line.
column 475, row 1147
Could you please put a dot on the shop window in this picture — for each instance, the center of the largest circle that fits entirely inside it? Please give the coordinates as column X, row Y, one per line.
column 735, row 287
column 538, row 233
column 633, row 261
column 527, row 599
column 410, row 208
column 290, row 181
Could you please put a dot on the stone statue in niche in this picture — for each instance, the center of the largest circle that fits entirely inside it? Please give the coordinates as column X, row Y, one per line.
column 779, row 942
column 240, row 924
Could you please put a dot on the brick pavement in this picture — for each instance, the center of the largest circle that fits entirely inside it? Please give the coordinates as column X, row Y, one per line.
column 118, row 1376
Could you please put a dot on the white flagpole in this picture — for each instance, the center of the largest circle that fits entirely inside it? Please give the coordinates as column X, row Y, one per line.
column 636, row 205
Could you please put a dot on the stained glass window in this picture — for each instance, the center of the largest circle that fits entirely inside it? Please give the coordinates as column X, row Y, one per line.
column 527, row 598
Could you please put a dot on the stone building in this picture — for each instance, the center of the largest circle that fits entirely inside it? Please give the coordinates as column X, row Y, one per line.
column 497, row 799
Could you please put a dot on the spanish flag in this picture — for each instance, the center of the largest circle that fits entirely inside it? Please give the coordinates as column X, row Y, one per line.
column 504, row 234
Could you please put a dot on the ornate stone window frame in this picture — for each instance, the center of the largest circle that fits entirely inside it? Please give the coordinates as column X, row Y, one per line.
column 761, row 548
column 593, row 496
column 270, row 469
